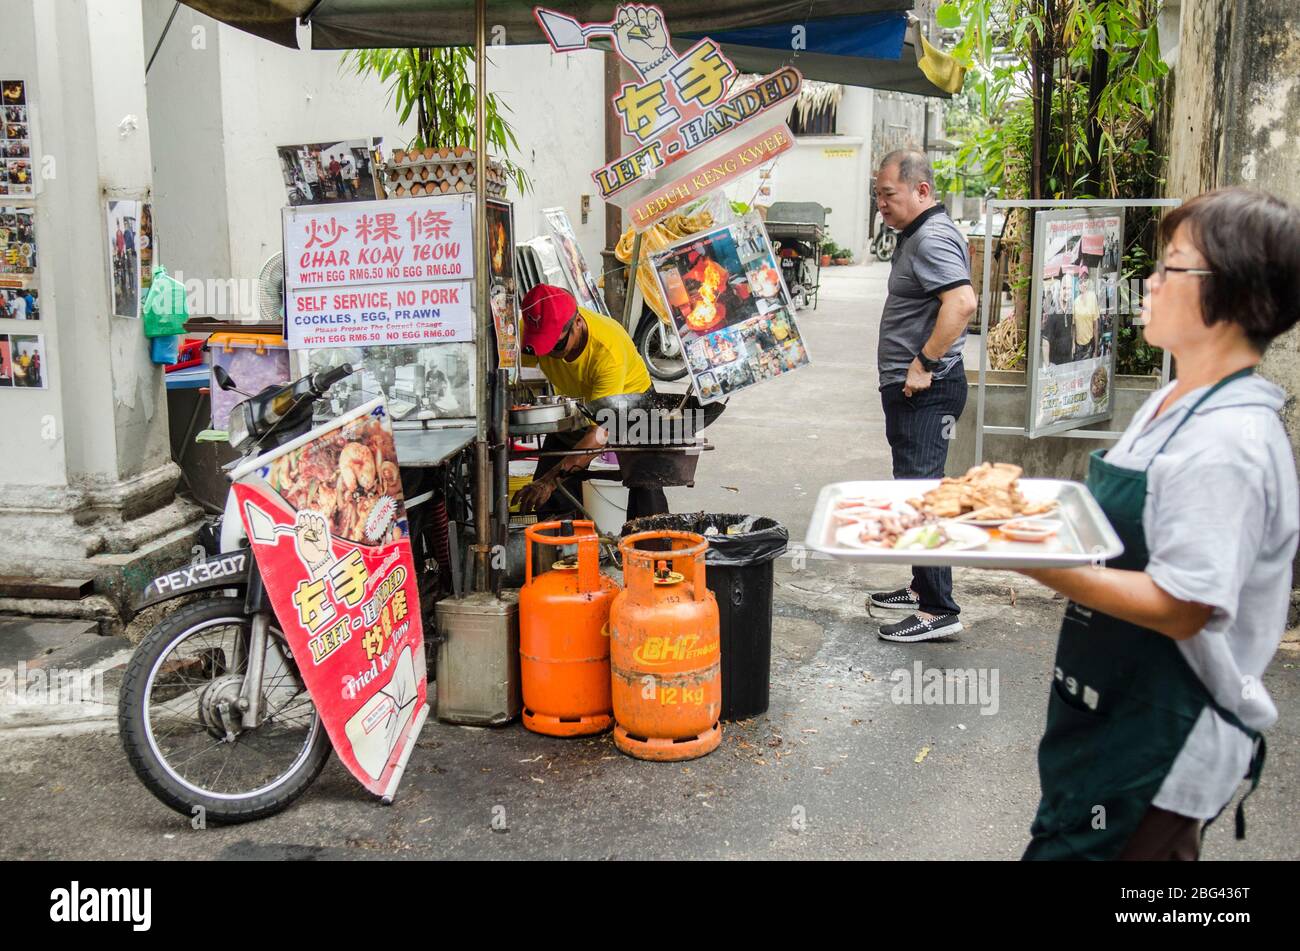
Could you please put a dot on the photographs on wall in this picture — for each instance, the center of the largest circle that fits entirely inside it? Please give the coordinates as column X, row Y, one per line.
column 322, row 172
column 420, row 381
column 504, row 292
column 22, row 361
column 730, row 308
column 1078, row 255
column 15, row 140
column 146, row 248
column 17, row 240
column 20, row 303
column 572, row 261
column 123, row 217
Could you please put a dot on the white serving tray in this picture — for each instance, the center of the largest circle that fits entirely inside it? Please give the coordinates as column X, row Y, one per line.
column 1086, row 536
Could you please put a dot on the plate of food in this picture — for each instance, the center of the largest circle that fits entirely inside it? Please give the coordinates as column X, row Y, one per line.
column 902, row 527
column 986, row 496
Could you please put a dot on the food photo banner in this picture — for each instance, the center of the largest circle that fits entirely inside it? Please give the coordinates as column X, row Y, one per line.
column 1078, row 255
column 731, row 310
column 504, row 293
column 327, row 522
column 383, row 272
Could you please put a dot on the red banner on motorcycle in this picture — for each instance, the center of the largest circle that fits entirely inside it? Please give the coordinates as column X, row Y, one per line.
column 327, row 522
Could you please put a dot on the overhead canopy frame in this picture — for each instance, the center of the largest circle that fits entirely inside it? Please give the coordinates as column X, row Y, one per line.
column 853, row 42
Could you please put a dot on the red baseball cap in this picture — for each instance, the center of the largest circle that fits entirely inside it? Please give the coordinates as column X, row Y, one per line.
column 547, row 309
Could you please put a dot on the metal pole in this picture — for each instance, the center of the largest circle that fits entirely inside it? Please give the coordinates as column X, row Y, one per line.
column 501, row 469
column 984, row 327
column 632, row 285
column 482, row 322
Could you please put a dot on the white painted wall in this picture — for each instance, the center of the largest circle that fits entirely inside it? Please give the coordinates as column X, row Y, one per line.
column 98, row 422
column 557, row 103
column 221, row 101
column 814, row 170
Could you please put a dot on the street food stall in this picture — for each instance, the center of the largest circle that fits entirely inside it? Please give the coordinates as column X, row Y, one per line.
column 407, row 304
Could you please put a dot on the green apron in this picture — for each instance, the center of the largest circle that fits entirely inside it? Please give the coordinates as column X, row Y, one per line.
column 1123, row 702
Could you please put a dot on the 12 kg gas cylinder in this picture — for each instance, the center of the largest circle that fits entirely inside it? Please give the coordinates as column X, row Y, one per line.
column 664, row 650
column 564, row 635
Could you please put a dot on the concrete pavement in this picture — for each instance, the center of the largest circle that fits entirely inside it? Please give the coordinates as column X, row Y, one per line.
column 835, row 769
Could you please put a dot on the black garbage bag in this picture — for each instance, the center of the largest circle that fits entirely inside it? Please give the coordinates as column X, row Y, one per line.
column 734, row 540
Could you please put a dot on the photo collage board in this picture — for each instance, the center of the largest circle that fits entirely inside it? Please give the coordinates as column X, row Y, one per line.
column 1078, row 258
column 732, row 311
column 23, row 360
column 16, row 173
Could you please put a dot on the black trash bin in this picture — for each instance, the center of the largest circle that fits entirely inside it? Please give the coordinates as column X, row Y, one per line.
column 739, row 573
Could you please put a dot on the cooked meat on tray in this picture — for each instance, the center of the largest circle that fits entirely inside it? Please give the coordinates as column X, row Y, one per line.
column 986, row 492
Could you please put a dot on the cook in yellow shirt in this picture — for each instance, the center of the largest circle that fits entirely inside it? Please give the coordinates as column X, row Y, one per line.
column 608, row 365
column 591, row 358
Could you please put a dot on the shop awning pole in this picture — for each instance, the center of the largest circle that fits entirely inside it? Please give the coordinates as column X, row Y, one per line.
column 482, row 325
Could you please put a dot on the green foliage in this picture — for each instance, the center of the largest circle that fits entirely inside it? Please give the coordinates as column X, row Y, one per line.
column 995, row 119
column 998, row 45
column 436, row 85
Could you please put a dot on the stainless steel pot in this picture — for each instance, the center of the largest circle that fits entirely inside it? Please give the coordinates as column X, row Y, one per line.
column 549, row 414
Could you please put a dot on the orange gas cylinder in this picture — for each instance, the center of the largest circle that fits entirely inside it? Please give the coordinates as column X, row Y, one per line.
column 564, row 635
column 664, row 650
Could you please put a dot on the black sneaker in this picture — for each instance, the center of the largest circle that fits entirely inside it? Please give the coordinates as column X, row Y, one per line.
column 917, row 628
column 900, row 600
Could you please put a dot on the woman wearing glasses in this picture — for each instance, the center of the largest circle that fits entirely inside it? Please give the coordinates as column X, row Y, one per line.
column 1156, row 704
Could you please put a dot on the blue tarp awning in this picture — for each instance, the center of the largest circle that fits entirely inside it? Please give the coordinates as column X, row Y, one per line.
column 854, row 42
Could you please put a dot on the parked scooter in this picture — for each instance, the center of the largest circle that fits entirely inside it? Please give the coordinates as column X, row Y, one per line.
column 885, row 240
column 213, row 713
column 659, row 347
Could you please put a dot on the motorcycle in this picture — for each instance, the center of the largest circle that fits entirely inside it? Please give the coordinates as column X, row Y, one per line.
column 213, row 714
column 659, row 347
column 885, row 240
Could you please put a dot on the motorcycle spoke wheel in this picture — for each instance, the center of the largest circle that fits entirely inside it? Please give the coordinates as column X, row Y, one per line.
column 207, row 661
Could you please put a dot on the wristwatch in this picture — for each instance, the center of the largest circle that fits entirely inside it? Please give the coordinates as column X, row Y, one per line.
column 928, row 365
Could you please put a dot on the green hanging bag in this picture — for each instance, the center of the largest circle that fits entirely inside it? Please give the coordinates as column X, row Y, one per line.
column 165, row 308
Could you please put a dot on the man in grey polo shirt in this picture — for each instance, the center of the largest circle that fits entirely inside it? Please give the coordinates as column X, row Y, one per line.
column 922, row 379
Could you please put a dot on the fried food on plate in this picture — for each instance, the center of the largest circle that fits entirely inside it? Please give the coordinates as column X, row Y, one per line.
column 989, row 491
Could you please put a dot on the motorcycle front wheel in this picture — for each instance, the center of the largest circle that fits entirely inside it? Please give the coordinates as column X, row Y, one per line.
column 885, row 243
column 660, row 351
column 180, row 728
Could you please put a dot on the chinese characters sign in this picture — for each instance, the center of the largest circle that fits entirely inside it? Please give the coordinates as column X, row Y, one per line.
column 373, row 273
column 327, row 524
column 679, row 108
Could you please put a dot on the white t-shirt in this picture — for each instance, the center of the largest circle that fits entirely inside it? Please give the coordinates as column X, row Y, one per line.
column 1222, row 519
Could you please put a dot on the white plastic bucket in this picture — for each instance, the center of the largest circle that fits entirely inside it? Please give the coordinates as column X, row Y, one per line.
column 607, row 504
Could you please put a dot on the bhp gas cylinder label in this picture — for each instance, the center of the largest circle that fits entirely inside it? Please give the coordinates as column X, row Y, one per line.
column 657, row 651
